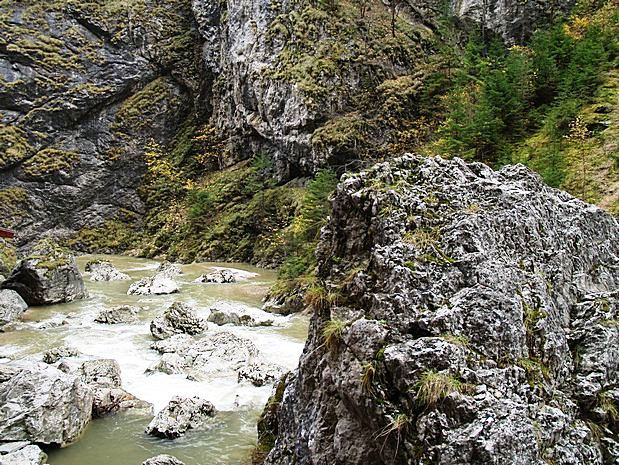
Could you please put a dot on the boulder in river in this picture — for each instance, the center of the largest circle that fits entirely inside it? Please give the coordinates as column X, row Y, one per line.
column 54, row 355
column 103, row 270
column 217, row 277
column 21, row 453
column 48, row 276
column 220, row 354
column 118, row 315
column 12, row 306
column 178, row 318
column 181, row 414
column 239, row 315
column 103, row 376
column 169, row 269
column 158, row 284
column 162, row 459
column 41, row 404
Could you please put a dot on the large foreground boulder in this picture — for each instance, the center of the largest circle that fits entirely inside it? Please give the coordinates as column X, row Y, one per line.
column 181, row 414
column 39, row 403
column 475, row 323
column 162, row 459
column 177, row 319
column 12, row 306
column 157, row 285
column 103, row 270
column 48, row 276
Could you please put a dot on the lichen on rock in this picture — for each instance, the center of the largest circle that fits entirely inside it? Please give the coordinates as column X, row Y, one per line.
column 474, row 323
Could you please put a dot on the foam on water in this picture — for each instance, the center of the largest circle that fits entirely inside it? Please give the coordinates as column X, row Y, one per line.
column 129, row 344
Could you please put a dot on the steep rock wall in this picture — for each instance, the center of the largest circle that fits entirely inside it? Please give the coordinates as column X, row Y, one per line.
column 83, row 87
column 469, row 317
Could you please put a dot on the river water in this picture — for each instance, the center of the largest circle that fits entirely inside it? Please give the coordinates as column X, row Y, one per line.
column 120, row 439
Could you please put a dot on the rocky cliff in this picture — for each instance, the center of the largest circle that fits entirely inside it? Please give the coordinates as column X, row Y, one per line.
column 468, row 317
column 87, row 88
column 84, row 86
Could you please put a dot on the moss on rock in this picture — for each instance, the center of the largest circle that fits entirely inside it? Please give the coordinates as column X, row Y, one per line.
column 49, row 161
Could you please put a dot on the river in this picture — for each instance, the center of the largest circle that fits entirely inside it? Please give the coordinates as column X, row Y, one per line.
column 120, row 439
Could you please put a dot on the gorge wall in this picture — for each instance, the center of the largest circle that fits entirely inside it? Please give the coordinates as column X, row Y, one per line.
column 87, row 88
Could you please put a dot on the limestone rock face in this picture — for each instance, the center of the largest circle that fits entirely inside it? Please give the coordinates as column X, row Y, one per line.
column 158, row 284
column 49, row 276
column 181, row 414
column 104, row 271
column 79, row 114
column 39, row 403
column 178, row 318
column 12, row 306
column 163, row 459
column 476, row 323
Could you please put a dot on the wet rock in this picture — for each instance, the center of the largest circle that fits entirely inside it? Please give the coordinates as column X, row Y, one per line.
column 286, row 304
column 158, row 284
column 163, row 460
column 49, row 276
column 181, row 414
column 178, row 318
column 12, row 306
column 27, row 454
column 39, row 403
column 260, row 374
column 57, row 353
column 103, row 377
column 217, row 277
column 102, row 270
column 239, row 315
column 178, row 343
column 221, row 354
column 118, row 315
column 489, row 308
column 170, row 363
column 169, row 269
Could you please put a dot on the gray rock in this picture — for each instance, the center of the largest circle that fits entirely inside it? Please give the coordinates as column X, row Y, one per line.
column 27, row 455
column 158, row 284
column 10, row 447
column 101, row 270
column 118, row 315
column 103, row 377
column 221, row 354
column 478, row 324
column 163, row 460
column 239, row 315
column 178, row 343
column 217, row 277
column 169, row 269
column 180, row 415
column 39, row 403
column 54, row 355
column 12, row 306
column 178, row 318
column 49, row 276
